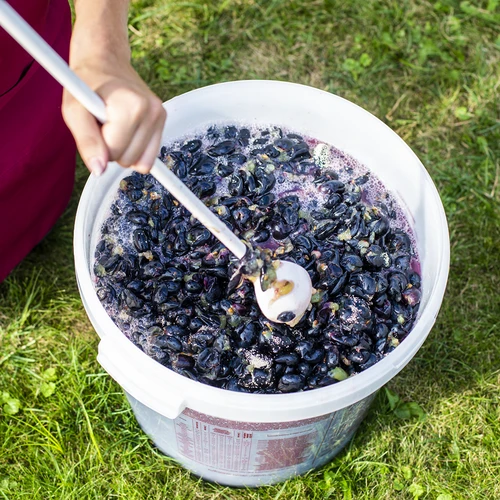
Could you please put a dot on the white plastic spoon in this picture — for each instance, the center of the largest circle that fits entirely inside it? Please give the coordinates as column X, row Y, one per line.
column 288, row 303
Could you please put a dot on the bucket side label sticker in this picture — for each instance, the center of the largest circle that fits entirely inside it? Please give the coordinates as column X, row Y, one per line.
column 229, row 449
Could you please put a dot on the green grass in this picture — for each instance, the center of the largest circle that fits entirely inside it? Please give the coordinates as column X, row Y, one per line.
column 431, row 71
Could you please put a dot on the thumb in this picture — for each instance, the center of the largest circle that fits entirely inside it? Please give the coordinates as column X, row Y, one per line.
column 87, row 133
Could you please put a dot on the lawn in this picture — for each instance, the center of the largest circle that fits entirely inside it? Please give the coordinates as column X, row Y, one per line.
column 431, row 71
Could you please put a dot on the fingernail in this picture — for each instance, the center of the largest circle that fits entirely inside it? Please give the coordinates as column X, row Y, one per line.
column 96, row 166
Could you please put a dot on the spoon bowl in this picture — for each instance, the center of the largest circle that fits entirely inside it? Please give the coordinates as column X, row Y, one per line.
column 289, row 297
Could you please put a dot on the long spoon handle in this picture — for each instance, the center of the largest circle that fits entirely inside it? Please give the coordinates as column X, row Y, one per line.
column 48, row 58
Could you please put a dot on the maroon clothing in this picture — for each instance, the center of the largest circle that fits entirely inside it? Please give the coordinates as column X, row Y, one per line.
column 37, row 151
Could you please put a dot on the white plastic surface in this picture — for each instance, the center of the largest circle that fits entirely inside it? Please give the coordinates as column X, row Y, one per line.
column 328, row 118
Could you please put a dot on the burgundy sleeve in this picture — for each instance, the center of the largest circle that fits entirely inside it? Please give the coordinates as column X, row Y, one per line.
column 37, row 151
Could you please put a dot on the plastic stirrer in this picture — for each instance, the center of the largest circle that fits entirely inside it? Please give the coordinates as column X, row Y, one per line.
column 272, row 303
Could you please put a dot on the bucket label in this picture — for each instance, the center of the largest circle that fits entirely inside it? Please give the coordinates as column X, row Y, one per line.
column 244, row 447
column 248, row 453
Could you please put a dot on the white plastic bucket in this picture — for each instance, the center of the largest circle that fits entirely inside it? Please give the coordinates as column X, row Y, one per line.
column 243, row 439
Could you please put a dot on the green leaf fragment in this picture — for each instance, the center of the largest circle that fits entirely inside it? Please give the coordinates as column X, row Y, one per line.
column 398, row 485
column 223, row 321
column 6, row 484
column 407, row 472
column 416, row 490
column 353, row 67
column 250, row 166
column 462, row 114
column 365, row 60
column 47, row 389
column 392, row 398
column 339, row 374
column 317, row 296
column 99, row 270
column 11, row 406
column 402, row 411
column 409, row 410
column 50, row 375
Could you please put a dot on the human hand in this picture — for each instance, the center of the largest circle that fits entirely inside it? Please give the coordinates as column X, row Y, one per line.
column 135, row 116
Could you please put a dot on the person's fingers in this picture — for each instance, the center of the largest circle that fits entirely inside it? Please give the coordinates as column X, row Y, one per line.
column 87, row 134
column 132, row 119
column 125, row 113
column 144, row 164
column 147, row 138
column 138, row 143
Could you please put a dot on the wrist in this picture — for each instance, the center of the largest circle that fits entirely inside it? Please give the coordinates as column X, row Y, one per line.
column 100, row 37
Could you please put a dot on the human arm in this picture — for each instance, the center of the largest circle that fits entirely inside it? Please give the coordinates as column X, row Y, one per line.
column 100, row 55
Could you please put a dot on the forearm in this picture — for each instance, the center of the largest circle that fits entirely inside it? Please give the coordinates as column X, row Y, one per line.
column 100, row 55
column 100, row 31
